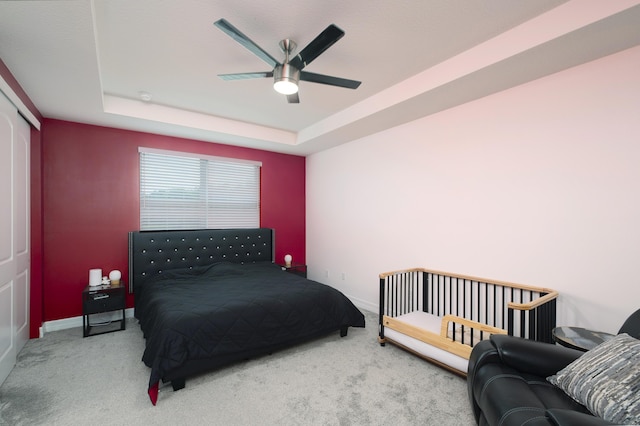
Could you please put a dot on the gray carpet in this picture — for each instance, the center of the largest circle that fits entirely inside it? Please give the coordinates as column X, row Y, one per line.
column 63, row 379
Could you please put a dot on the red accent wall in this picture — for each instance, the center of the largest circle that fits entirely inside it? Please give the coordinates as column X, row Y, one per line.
column 90, row 184
column 36, row 302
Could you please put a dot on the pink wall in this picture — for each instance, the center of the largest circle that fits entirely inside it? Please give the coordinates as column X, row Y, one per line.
column 538, row 185
column 91, row 200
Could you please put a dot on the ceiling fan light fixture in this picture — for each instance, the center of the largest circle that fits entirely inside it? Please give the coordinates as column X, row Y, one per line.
column 285, row 79
column 285, row 87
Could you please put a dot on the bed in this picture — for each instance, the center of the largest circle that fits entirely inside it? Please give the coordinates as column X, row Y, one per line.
column 440, row 316
column 208, row 298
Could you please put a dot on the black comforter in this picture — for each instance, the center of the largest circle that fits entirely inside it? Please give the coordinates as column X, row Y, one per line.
column 227, row 312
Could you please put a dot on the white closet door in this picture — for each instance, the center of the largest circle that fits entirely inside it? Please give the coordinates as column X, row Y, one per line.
column 14, row 235
column 21, row 227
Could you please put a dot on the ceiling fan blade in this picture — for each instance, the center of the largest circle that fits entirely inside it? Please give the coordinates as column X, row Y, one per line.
column 322, row 42
column 238, row 36
column 327, row 79
column 293, row 99
column 245, row 75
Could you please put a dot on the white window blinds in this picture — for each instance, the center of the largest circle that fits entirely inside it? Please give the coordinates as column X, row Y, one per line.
column 187, row 191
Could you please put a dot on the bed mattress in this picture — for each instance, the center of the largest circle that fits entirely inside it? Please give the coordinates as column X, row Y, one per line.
column 430, row 323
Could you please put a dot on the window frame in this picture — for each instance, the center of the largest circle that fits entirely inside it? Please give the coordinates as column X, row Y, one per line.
column 201, row 217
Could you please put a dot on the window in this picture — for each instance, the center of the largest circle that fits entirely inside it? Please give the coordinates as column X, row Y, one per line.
column 190, row 191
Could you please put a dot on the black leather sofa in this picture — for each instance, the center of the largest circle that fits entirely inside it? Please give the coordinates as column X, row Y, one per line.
column 507, row 384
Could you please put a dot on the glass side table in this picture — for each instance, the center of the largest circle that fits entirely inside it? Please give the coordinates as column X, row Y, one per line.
column 579, row 338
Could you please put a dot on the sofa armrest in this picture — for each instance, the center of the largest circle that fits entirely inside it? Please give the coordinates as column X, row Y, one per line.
column 561, row 417
column 529, row 356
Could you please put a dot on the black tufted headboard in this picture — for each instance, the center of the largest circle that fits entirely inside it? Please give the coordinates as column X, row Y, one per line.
column 152, row 252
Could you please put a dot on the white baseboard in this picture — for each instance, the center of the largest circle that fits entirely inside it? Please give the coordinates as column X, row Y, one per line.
column 363, row 304
column 73, row 322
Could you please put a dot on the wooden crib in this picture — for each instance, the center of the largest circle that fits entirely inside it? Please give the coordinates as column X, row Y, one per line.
column 440, row 316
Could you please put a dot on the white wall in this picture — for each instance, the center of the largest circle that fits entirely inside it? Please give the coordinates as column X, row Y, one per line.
column 539, row 185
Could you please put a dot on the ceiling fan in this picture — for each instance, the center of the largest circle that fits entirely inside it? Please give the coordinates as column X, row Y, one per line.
column 287, row 74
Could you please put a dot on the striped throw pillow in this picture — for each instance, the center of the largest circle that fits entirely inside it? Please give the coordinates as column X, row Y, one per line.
column 606, row 380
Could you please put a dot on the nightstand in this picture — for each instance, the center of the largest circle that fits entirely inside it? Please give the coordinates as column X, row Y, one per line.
column 296, row 269
column 99, row 299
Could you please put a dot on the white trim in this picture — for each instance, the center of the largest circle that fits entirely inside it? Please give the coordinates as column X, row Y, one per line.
column 76, row 322
column 363, row 304
column 194, row 155
column 17, row 102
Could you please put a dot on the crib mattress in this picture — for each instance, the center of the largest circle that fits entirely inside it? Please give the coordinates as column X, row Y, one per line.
column 431, row 323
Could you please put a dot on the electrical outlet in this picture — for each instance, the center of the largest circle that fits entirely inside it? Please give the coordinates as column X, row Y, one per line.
column 326, row 273
column 344, row 276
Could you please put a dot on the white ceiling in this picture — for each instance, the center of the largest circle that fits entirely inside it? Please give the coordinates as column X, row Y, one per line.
column 89, row 60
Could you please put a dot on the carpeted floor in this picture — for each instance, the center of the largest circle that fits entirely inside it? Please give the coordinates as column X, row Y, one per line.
column 63, row 379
